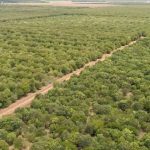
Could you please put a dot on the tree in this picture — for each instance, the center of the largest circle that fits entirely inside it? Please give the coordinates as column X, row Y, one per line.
column 11, row 138
column 47, row 144
column 4, row 145
column 102, row 109
column 83, row 141
column 10, row 124
column 123, row 105
column 18, row 143
column 147, row 105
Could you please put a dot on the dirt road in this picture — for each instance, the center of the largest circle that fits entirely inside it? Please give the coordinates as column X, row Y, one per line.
column 27, row 100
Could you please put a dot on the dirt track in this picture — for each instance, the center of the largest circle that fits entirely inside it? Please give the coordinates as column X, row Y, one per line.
column 27, row 100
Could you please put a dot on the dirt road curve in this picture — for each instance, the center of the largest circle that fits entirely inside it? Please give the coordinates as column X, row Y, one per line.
column 27, row 100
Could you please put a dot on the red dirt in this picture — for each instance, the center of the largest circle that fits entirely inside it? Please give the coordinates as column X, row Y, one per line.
column 27, row 100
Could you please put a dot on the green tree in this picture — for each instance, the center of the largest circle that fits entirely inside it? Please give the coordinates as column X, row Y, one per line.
column 4, row 145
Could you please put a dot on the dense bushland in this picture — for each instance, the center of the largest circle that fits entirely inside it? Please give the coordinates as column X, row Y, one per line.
column 106, row 107
column 36, row 48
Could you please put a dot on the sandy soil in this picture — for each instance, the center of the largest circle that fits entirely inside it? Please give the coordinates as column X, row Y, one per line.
column 27, row 100
column 141, row 134
column 64, row 4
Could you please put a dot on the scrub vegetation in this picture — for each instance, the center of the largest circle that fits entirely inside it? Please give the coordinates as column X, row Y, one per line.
column 35, row 50
column 106, row 107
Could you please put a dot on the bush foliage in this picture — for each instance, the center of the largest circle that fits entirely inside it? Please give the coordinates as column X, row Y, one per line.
column 105, row 108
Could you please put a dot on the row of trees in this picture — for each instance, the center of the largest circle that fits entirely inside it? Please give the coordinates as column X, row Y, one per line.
column 106, row 107
column 35, row 51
